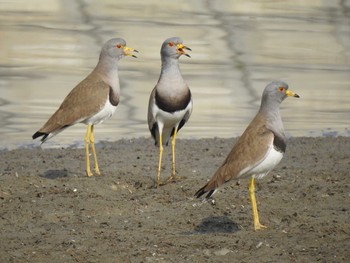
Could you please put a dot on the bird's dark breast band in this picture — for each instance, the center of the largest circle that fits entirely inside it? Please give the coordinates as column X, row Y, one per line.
column 113, row 97
column 279, row 143
column 173, row 105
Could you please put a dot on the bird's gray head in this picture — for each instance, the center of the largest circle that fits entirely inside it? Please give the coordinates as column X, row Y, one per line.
column 276, row 92
column 174, row 47
column 116, row 48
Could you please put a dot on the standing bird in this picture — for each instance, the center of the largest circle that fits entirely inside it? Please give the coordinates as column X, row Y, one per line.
column 258, row 150
column 170, row 103
column 92, row 101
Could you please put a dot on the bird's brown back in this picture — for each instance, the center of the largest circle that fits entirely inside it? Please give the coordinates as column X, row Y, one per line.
column 249, row 150
column 85, row 100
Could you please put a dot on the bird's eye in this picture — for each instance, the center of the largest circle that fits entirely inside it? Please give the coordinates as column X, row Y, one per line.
column 280, row 89
column 171, row 44
column 118, row 46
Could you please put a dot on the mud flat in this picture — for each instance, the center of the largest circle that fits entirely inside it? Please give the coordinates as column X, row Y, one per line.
column 51, row 212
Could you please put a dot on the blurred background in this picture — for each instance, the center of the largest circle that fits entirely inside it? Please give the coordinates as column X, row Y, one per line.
column 48, row 46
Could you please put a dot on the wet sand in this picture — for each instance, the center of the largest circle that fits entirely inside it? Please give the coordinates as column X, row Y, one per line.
column 51, row 212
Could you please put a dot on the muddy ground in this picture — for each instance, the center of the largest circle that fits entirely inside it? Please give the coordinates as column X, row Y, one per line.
column 51, row 212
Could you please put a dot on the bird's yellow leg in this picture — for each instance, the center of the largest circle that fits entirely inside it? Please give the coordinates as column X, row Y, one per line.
column 257, row 225
column 92, row 142
column 173, row 175
column 87, row 142
column 160, row 157
column 173, row 153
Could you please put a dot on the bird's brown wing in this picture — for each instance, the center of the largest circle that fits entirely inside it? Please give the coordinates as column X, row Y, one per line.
column 86, row 99
column 150, row 116
column 187, row 115
column 249, row 151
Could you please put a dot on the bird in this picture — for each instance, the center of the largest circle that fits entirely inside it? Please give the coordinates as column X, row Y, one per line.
column 170, row 103
column 92, row 101
column 258, row 150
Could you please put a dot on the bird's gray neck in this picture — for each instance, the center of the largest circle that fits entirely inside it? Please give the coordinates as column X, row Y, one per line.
column 107, row 68
column 170, row 77
column 271, row 111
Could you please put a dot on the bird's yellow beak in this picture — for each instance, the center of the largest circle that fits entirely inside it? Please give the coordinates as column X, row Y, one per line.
column 290, row 93
column 128, row 50
column 180, row 48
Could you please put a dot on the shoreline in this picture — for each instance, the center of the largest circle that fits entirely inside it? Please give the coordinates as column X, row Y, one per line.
column 77, row 144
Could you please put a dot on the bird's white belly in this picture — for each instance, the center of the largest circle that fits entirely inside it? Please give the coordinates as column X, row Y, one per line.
column 170, row 119
column 167, row 121
column 105, row 113
column 264, row 167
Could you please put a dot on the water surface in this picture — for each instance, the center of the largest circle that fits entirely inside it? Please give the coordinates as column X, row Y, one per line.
column 48, row 46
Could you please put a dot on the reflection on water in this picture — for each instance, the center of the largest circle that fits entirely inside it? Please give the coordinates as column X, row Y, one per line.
column 48, row 46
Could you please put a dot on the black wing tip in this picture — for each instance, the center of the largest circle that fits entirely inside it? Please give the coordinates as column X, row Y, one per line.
column 153, row 131
column 202, row 191
column 39, row 134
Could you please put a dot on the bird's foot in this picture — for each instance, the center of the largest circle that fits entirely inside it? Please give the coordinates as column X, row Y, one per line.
column 174, row 178
column 171, row 179
column 97, row 171
column 89, row 173
column 160, row 183
column 258, row 226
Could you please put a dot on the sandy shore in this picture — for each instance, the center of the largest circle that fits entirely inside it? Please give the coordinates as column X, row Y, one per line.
column 51, row 212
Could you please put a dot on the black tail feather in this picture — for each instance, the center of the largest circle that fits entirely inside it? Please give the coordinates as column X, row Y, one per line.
column 38, row 134
column 202, row 191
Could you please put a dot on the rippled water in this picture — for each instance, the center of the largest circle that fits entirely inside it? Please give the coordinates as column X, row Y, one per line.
column 48, row 46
